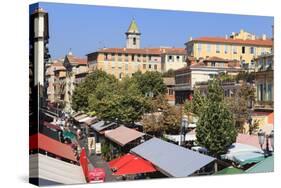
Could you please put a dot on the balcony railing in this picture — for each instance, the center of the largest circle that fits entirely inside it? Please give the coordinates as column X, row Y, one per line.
column 264, row 105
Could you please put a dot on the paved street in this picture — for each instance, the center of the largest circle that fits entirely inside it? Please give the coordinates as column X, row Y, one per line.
column 97, row 161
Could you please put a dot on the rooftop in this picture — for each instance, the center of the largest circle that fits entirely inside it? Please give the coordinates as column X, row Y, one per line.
column 172, row 159
column 123, row 135
column 256, row 42
column 133, row 28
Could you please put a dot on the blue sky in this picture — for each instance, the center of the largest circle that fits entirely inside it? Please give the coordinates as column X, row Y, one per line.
column 85, row 28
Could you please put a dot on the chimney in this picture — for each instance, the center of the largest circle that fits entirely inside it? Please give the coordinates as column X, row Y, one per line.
column 263, row 37
column 253, row 37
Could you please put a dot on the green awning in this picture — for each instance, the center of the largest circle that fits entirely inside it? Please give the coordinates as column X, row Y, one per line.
column 229, row 170
column 68, row 134
column 244, row 158
column 267, row 165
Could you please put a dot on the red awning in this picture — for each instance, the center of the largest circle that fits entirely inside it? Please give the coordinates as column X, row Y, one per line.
column 130, row 164
column 40, row 141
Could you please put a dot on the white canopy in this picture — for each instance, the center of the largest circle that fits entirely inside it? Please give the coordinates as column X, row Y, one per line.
column 48, row 168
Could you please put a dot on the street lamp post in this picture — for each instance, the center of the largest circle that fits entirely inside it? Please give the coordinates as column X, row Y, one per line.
column 184, row 125
column 266, row 138
column 250, row 119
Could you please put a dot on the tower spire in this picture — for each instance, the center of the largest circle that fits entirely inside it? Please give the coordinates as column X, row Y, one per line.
column 133, row 35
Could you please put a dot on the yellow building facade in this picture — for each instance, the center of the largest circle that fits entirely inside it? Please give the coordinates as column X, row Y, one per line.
column 242, row 46
column 122, row 62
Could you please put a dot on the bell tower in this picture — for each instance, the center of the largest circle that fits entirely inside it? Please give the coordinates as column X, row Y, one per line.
column 133, row 36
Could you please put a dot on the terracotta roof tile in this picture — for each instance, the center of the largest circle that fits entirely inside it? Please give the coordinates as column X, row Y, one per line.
column 75, row 60
column 257, row 42
column 153, row 51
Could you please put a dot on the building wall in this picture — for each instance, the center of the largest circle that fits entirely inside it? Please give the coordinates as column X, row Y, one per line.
column 121, row 65
column 130, row 41
column 170, row 95
column 173, row 61
column 264, row 81
column 226, row 51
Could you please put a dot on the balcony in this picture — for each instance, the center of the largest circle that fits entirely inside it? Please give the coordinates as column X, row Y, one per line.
column 182, row 87
column 264, row 105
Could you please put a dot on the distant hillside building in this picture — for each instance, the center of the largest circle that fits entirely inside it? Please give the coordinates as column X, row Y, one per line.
column 63, row 75
column 122, row 62
column 205, row 69
column 242, row 46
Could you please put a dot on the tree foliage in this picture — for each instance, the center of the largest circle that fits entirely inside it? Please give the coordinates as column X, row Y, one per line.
column 215, row 128
column 96, row 83
column 169, row 73
column 163, row 118
column 127, row 100
column 150, row 83
column 239, row 105
column 196, row 104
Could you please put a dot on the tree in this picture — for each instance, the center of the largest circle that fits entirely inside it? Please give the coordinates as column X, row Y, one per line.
column 88, row 87
column 239, row 105
column 215, row 128
column 169, row 73
column 245, row 76
column 150, row 83
column 125, row 104
column 163, row 118
column 196, row 104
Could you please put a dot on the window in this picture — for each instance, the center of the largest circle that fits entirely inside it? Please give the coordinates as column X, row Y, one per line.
column 134, row 41
column 260, row 92
column 213, row 64
column 217, row 48
column 243, row 49
column 144, row 66
column 126, row 66
column 252, row 50
column 155, row 67
column 120, row 75
column 119, row 57
column 170, row 58
column 133, row 57
column 149, row 66
column 269, row 92
column 112, row 56
column 171, row 91
column 225, row 49
column 262, row 51
column 199, row 47
column 138, row 58
column 126, row 57
column 149, row 57
column 234, row 49
column 178, row 58
column 209, row 48
column 144, row 58
column 105, row 56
